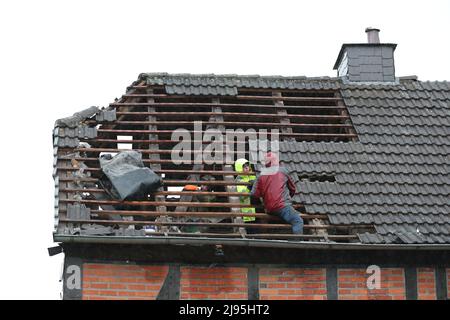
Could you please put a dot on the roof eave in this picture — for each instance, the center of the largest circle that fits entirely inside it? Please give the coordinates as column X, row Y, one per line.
column 244, row 243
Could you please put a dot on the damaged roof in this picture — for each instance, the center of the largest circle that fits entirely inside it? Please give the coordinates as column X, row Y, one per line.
column 395, row 176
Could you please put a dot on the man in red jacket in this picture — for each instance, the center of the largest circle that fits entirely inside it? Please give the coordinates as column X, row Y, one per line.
column 276, row 188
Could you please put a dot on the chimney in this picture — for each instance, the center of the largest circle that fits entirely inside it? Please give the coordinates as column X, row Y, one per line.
column 367, row 62
column 372, row 35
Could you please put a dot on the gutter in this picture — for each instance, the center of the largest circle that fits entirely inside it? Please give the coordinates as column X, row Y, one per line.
column 244, row 243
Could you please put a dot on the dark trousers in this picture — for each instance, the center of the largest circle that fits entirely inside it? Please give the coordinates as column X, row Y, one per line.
column 290, row 215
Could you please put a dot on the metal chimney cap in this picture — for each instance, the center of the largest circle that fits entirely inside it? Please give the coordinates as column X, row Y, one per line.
column 368, row 29
column 372, row 35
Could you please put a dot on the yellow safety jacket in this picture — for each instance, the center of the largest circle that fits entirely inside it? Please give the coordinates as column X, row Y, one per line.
column 238, row 166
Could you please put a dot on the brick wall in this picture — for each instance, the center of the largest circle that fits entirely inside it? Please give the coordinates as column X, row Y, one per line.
column 128, row 281
column 122, row 281
column 448, row 283
column 426, row 284
column 292, row 284
column 352, row 285
column 213, row 283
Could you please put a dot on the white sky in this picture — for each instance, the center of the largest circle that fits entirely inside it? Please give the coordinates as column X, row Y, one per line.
column 59, row 57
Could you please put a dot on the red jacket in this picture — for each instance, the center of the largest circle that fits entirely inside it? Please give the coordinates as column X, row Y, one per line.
column 276, row 188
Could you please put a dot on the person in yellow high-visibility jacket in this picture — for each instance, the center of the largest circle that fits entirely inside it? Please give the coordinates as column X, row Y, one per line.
column 242, row 165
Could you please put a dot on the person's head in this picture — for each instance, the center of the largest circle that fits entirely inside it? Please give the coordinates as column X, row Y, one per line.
column 271, row 159
column 242, row 165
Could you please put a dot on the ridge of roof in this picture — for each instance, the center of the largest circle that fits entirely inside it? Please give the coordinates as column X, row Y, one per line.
column 224, row 80
column 228, row 84
column 233, row 75
column 167, row 76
